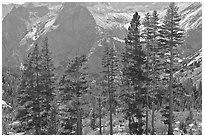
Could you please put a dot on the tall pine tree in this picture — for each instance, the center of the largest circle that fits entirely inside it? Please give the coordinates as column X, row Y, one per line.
column 73, row 85
column 36, row 92
column 171, row 36
column 147, row 38
column 110, row 67
column 134, row 63
column 154, row 22
column 48, row 91
column 29, row 95
column 150, row 39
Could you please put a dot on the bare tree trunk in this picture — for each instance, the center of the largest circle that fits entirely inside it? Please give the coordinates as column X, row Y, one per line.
column 111, row 120
column 110, row 102
column 93, row 123
column 153, row 118
column 99, row 103
column 129, row 122
column 79, row 122
column 146, row 131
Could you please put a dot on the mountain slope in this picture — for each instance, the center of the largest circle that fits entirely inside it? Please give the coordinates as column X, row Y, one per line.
column 81, row 28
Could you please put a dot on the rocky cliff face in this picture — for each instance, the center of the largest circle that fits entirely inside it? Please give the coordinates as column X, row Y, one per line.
column 71, row 30
column 6, row 8
column 13, row 30
column 75, row 34
column 192, row 24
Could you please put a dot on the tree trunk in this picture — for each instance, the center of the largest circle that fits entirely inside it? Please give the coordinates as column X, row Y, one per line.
column 93, row 115
column 147, row 101
column 80, row 127
column 110, row 102
column 153, row 118
column 170, row 129
column 79, row 123
column 129, row 123
column 99, row 103
column 111, row 120
column 38, row 121
column 146, row 131
column 140, row 122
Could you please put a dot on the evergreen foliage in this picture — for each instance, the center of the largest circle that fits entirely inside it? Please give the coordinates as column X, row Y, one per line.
column 134, row 62
column 29, row 95
column 36, row 91
column 110, row 67
column 49, row 87
column 72, row 87
column 171, row 36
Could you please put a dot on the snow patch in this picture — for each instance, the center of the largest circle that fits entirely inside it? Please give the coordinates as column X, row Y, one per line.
column 50, row 23
column 120, row 40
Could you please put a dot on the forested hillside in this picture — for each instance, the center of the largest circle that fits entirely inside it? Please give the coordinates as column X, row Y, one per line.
column 102, row 69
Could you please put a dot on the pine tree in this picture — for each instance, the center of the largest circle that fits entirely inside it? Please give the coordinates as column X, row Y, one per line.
column 150, row 36
column 48, row 92
column 147, row 37
column 154, row 19
column 110, row 66
column 73, row 85
column 29, row 95
column 37, row 91
column 171, row 36
column 101, row 100
column 97, row 96
column 136, row 77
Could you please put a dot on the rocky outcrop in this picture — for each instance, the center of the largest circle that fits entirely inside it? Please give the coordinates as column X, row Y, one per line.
column 13, row 30
column 76, row 32
column 192, row 24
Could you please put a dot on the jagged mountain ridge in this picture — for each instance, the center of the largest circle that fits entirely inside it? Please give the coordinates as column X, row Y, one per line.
column 78, row 28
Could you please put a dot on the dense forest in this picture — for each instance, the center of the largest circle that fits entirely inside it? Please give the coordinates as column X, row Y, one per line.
column 137, row 92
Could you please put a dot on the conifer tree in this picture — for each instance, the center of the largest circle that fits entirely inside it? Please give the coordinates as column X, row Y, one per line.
column 154, row 22
column 48, row 91
column 147, row 37
column 37, row 91
column 136, row 77
column 73, row 86
column 110, row 66
column 150, row 35
column 29, row 95
column 171, row 36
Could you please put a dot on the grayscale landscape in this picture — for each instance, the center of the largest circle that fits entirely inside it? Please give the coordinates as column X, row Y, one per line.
column 99, row 68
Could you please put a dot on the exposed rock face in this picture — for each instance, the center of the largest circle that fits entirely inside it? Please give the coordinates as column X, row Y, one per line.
column 7, row 9
column 192, row 24
column 13, row 30
column 76, row 32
